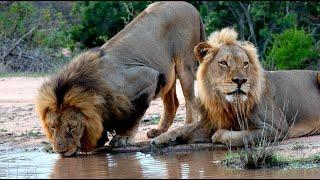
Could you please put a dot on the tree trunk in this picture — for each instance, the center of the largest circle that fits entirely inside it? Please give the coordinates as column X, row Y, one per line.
column 246, row 11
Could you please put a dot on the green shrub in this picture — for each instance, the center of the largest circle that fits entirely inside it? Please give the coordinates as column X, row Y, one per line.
column 100, row 20
column 16, row 18
column 42, row 31
column 291, row 50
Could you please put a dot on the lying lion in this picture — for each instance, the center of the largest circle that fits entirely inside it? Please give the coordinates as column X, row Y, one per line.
column 108, row 89
column 241, row 104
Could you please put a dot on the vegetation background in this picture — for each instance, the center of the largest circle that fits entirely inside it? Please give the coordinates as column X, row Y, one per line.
column 41, row 36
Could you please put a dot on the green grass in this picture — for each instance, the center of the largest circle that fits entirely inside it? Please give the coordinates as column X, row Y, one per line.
column 31, row 133
column 254, row 159
column 179, row 119
column 3, row 130
column 47, row 147
column 155, row 120
column 281, row 160
column 231, row 159
column 297, row 146
column 248, row 159
column 152, row 120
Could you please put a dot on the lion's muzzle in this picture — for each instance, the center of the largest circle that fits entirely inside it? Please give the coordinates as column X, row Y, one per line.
column 237, row 90
column 71, row 151
column 65, row 149
column 239, row 81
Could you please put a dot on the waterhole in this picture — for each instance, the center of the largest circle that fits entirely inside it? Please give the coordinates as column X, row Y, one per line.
column 203, row 164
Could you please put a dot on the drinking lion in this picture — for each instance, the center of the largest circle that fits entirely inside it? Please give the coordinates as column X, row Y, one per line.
column 108, row 89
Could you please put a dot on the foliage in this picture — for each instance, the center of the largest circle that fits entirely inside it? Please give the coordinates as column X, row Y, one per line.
column 256, row 158
column 20, row 17
column 78, row 25
column 252, row 159
column 101, row 20
column 32, row 36
column 260, row 21
column 291, row 49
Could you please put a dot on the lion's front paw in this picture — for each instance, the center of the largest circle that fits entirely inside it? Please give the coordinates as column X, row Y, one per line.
column 217, row 136
column 158, row 143
column 120, row 141
column 152, row 133
column 163, row 140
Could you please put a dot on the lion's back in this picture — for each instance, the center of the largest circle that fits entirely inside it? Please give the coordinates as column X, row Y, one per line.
column 158, row 22
column 163, row 33
column 297, row 92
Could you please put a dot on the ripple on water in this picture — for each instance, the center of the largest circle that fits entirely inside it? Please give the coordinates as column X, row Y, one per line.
column 35, row 164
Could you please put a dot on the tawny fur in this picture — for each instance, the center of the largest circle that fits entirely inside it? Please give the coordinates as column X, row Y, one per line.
column 279, row 105
column 219, row 114
column 88, row 92
column 112, row 86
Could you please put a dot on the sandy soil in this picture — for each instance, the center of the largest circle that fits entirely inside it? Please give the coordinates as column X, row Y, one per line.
column 21, row 128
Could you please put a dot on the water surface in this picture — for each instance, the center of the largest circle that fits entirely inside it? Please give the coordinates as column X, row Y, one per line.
column 201, row 164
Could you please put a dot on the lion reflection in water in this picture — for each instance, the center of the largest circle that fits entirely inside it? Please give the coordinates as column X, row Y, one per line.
column 137, row 165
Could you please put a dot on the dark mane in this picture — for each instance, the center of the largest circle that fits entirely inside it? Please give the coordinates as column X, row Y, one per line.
column 80, row 72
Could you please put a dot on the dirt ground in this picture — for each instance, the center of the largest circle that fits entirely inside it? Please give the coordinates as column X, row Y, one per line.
column 20, row 127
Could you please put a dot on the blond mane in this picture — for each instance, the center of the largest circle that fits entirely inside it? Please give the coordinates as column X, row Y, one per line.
column 220, row 114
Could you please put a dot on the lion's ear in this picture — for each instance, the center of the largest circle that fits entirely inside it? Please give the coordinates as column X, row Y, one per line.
column 201, row 50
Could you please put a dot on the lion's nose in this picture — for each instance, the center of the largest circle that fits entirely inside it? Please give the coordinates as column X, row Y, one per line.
column 60, row 148
column 239, row 81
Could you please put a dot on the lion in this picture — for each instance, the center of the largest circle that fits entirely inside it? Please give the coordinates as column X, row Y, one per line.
column 106, row 90
column 241, row 104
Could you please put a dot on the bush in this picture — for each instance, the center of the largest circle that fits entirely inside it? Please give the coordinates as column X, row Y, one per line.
column 291, row 50
column 32, row 37
column 100, row 20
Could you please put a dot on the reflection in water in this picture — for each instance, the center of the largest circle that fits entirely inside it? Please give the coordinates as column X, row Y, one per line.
column 20, row 164
column 134, row 165
column 98, row 166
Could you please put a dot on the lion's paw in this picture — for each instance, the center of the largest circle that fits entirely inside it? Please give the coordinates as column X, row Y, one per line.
column 217, row 136
column 121, row 141
column 152, row 133
column 163, row 141
column 158, row 144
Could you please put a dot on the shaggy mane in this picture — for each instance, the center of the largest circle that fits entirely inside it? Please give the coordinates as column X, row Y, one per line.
column 218, row 113
column 80, row 85
column 225, row 36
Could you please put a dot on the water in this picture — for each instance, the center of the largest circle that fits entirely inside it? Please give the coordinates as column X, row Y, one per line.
column 135, row 165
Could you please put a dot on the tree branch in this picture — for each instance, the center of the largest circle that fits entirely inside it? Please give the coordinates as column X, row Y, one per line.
column 239, row 19
column 24, row 56
column 16, row 43
column 250, row 23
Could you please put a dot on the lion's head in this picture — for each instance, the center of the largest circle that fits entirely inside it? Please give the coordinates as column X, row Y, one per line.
column 229, row 77
column 70, row 105
column 66, row 129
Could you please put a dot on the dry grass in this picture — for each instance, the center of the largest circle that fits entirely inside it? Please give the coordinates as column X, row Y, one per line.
column 259, row 154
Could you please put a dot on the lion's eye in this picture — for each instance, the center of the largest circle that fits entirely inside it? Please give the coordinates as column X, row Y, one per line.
column 52, row 128
column 223, row 63
column 245, row 64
